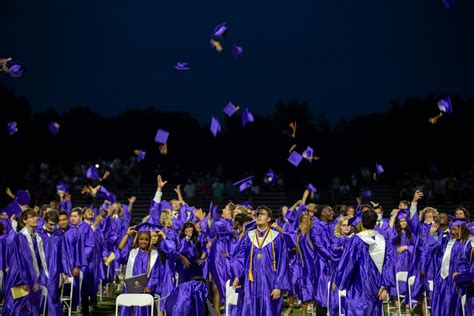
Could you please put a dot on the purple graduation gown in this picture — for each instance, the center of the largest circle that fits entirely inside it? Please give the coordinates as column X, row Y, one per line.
column 401, row 261
column 88, row 287
column 139, row 260
column 446, row 300
column 254, row 299
column 323, row 237
column 57, row 261
column 337, row 248
column 188, row 298
column 74, row 247
column 361, row 276
column 305, row 264
column 28, row 267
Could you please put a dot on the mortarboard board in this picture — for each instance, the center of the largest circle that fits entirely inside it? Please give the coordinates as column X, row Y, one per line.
column 311, row 188
column 295, row 158
column 244, row 184
column 246, row 204
column 140, row 154
column 105, row 194
column 147, row 227
column 270, row 177
column 366, row 194
column 61, row 187
column 92, row 173
column 250, row 225
column 379, row 169
column 23, row 197
column 457, row 221
column 181, row 66
column 230, row 109
column 11, row 67
column 161, row 136
column 402, row 214
column 215, row 126
column 237, row 51
column 247, row 117
column 444, row 105
column 12, row 128
column 54, row 128
column 352, row 220
column 448, row 3
column 219, row 32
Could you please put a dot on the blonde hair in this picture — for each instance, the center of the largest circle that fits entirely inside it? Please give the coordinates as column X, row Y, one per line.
column 240, row 209
column 428, row 209
column 166, row 217
column 338, row 228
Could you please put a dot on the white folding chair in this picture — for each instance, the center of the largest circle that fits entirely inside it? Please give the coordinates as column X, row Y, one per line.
column 231, row 297
column 67, row 300
column 411, row 281
column 400, row 277
column 463, row 304
column 130, row 300
column 44, row 298
column 341, row 294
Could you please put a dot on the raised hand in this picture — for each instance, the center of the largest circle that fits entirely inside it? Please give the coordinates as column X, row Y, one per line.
column 132, row 199
column 160, row 182
column 417, row 196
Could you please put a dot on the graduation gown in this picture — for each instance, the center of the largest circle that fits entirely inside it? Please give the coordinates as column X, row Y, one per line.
column 75, row 249
column 446, row 298
column 188, row 298
column 322, row 242
column 28, row 267
column 365, row 267
column 255, row 299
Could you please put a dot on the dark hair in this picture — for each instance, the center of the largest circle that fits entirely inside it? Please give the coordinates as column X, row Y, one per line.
column 465, row 232
column 321, row 208
column 52, row 216
column 280, row 213
column 339, row 209
column 26, row 213
column 369, row 219
column 367, row 207
column 61, row 213
column 241, row 219
column 465, row 211
column 399, row 230
column 194, row 237
column 265, row 208
column 347, row 208
column 77, row 210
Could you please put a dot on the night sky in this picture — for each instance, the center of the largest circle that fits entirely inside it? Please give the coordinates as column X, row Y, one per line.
column 342, row 57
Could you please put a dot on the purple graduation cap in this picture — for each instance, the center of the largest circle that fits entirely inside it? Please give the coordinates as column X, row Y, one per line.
column 448, row 3
column 457, row 221
column 215, row 126
column 23, row 197
column 270, row 177
column 54, row 128
column 141, row 155
column 161, row 136
column 402, row 214
column 295, row 158
column 147, row 227
column 366, row 194
column 181, row 66
column 246, row 204
column 237, row 51
column 247, row 117
column 219, row 32
column 311, row 188
column 11, row 67
column 61, row 187
column 105, row 194
column 444, row 105
column 92, row 173
column 244, row 184
column 379, row 168
column 308, row 154
column 12, row 128
column 230, row 109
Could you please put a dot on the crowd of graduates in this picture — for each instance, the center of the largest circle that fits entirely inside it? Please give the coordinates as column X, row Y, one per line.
column 304, row 252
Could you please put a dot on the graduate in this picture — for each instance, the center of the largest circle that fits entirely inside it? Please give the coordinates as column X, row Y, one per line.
column 446, row 296
column 263, row 256
column 140, row 258
column 399, row 235
column 342, row 234
column 365, row 269
column 56, row 258
column 27, row 270
column 191, row 249
column 75, row 252
column 305, row 262
column 323, row 239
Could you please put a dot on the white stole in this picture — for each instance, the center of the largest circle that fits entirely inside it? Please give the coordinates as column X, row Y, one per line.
column 376, row 246
column 131, row 262
column 447, row 258
column 270, row 237
column 39, row 242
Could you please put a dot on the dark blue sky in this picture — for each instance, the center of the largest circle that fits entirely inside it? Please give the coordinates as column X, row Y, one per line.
column 343, row 57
